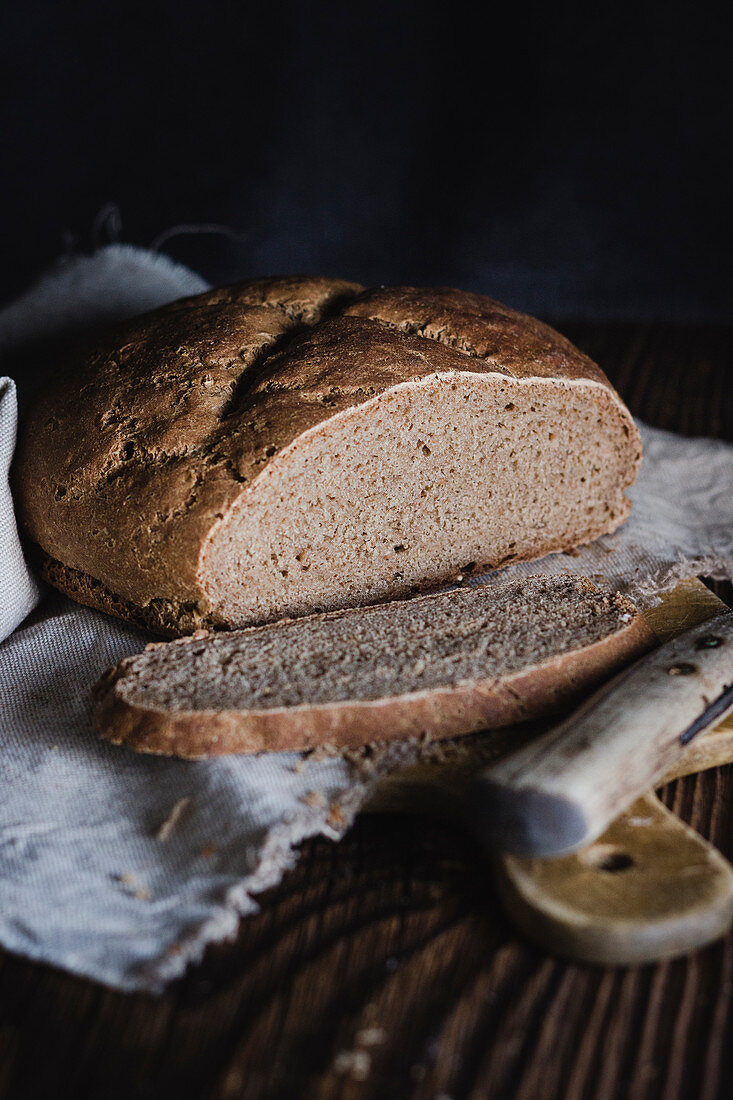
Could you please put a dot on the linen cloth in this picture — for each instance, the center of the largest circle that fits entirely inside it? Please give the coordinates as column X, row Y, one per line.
column 122, row 867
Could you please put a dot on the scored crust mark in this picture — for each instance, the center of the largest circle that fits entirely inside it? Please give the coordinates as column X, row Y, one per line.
column 302, row 320
column 302, row 316
column 441, row 665
column 171, row 429
column 140, row 420
column 290, row 317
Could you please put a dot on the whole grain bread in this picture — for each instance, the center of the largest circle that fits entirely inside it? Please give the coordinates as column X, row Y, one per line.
column 437, row 665
column 292, row 445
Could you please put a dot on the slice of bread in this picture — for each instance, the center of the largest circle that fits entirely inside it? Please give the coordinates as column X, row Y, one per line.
column 437, row 665
column 286, row 446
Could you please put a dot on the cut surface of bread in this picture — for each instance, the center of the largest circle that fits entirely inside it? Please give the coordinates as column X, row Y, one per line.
column 439, row 665
column 294, row 445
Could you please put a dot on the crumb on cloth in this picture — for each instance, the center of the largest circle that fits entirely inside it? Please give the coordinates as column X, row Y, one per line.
column 133, row 886
column 324, row 751
column 335, row 817
column 316, row 799
column 167, row 827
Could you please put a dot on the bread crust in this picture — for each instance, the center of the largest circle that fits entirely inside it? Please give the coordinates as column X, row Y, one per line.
column 125, row 468
column 168, row 618
column 541, row 690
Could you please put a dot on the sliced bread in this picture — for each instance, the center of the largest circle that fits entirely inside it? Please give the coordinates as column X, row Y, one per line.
column 439, row 665
column 293, row 445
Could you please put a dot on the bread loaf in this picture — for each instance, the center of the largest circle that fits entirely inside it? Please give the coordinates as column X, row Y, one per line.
column 293, row 445
column 441, row 665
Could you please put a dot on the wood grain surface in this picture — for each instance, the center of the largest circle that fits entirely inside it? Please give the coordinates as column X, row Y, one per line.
column 383, row 967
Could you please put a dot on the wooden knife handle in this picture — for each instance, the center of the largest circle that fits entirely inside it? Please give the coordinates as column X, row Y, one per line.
column 561, row 791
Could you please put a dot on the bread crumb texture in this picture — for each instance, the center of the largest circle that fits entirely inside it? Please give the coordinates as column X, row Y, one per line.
column 292, row 445
column 377, row 652
column 437, row 665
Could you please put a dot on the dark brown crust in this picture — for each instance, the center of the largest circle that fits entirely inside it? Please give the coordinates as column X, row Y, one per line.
column 164, row 617
column 513, row 343
column 124, row 468
column 542, row 690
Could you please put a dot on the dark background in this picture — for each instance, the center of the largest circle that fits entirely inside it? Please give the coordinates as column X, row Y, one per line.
column 573, row 160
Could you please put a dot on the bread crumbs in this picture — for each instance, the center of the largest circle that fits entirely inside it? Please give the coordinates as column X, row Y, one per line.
column 133, row 886
column 315, row 799
column 370, row 1036
column 172, row 820
column 355, row 1064
column 335, row 817
column 323, row 752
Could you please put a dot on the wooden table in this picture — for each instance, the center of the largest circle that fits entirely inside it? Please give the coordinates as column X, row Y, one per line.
column 382, row 966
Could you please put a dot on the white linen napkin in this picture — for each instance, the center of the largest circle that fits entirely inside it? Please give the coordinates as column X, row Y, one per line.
column 19, row 591
column 122, row 867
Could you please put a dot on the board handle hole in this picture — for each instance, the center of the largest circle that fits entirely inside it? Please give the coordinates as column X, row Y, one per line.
column 605, row 857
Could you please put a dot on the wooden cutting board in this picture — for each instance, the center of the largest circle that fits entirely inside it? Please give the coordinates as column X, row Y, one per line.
column 649, row 888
